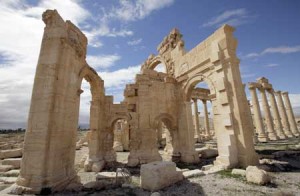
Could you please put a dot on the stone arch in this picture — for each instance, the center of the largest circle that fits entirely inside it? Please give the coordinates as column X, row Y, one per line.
column 117, row 117
column 156, row 61
column 162, row 117
column 193, row 81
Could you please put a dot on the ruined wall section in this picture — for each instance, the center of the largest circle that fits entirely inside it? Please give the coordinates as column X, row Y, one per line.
column 152, row 95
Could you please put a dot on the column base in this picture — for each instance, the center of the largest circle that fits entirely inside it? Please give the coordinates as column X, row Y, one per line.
column 135, row 158
column 262, row 138
column 288, row 134
column 281, row 136
column 190, row 157
column 272, row 137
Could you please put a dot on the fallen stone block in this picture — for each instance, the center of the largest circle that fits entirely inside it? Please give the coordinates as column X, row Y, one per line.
column 257, row 176
column 13, row 153
column 5, row 168
column 206, row 167
column 8, row 180
column 240, row 172
column 15, row 162
column 193, row 173
column 158, row 175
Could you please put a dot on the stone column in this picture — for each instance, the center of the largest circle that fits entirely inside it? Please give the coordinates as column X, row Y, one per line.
column 283, row 115
column 260, row 129
column 290, row 114
column 206, row 119
column 267, row 113
column 276, row 117
column 196, row 117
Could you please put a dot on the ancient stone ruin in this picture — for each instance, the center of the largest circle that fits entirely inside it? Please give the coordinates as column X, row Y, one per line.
column 153, row 101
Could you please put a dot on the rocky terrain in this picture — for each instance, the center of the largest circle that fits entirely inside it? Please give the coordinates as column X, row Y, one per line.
column 281, row 159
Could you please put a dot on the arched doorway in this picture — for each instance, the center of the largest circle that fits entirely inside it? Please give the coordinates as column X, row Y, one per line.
column 169, row 132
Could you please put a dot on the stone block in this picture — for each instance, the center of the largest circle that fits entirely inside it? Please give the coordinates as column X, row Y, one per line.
column 8, row 180
column 14, row 162
column 193, row 173
column 13, row 153
column 158, row 175
column 207, row 167
column 240, row 172
column 5, row 168
column 257, row 176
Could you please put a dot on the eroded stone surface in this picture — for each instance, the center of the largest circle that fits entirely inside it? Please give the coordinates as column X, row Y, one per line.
column 158, row 175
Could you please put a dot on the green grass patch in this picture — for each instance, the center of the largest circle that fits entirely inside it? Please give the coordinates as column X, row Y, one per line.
column 227, row 174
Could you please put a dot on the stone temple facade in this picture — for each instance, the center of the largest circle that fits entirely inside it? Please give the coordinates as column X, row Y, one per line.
column 154, row 98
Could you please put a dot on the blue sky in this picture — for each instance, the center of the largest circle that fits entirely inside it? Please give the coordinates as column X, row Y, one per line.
column 122, row 34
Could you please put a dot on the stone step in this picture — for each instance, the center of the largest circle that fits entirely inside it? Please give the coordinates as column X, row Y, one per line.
column 15, row 162
column 8, row 180
column 12, row 153
column 5, row 168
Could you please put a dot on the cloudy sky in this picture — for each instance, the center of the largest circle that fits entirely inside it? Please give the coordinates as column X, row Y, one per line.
column 123, row 33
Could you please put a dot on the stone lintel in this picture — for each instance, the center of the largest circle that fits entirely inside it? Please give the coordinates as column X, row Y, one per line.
column 253, row 85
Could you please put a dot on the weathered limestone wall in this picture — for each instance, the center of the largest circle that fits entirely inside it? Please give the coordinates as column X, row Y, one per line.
column 50, row 139
column 153, row 98
column 214, row 61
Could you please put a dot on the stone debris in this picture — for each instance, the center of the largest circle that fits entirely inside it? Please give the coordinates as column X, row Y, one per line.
column 14, row 162
column 193, row 173
column 13, row 153
column 8, row 180
column 240, row 172
column 257, row 176
column 14, row 172
column 5, row 168
column 158, row 175
column 207, row 167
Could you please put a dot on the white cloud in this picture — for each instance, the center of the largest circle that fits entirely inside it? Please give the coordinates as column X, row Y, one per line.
column 119, row 77
column 232, row 17
column 134, row 42
column 102, row 61
column 272, row 65
column 20, row 40
column 137, row 10
column 282, row 49
column 276, row 50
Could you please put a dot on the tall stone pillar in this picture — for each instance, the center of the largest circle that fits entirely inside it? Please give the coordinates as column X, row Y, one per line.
column 276, row 117
column 267, row 113
column 206, row 119
column 290, row 114
column 283, row 115
column 196, row 116
column 260, row 129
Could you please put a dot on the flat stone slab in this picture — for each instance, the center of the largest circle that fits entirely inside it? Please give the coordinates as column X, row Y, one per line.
column 14, row 172
column 12, row 153
column 15, row 162
column 193, row 173
column 5, row 168
column 158, row 175
column 8, row 180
